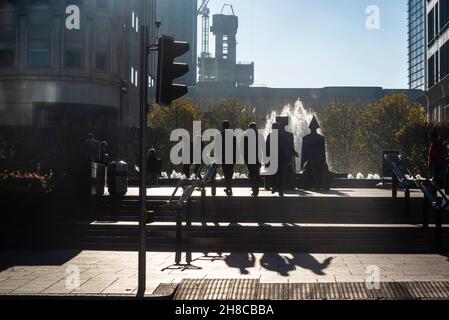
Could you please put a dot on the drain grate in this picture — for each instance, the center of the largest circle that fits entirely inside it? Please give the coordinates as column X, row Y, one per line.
column 251, row 289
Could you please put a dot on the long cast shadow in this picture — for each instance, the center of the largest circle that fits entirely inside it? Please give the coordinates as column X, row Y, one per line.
column 307, row 261
column 241, row 261
column 277, row 263
column 36, row 258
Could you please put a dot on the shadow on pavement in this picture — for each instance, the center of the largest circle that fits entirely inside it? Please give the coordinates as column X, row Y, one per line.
column 241, row 261
column 275, row 262
column 36, row 258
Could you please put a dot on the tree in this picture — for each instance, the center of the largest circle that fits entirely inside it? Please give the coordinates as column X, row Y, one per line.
column 163, row 120
column 358, row 134
column 340, row 124
column 414, row 141
column 381, row 125
column 179, row 115
column 234, row 110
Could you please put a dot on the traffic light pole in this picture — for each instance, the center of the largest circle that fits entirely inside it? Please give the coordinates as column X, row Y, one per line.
column 166, row 91
column 143, row 164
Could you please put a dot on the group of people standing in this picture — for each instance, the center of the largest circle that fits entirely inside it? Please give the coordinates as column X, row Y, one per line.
column 313, row 162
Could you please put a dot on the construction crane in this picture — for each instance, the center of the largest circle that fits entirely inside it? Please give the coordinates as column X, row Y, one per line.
column 204, row 11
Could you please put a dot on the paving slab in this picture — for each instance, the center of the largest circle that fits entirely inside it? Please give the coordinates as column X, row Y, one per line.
column 103, row 272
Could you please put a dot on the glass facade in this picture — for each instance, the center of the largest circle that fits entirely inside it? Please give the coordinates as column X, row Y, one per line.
column 416, row 43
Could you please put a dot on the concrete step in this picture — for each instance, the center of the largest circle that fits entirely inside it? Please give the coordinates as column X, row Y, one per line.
column 389, row 238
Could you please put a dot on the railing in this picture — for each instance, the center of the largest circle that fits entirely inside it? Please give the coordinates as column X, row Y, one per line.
column 399, row 178
column 184, row 203
column 434, row 195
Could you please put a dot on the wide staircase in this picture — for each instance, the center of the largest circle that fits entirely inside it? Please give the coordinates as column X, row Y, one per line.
column 292, row 224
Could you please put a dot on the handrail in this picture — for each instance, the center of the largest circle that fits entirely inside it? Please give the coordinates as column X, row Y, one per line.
column 429, row 197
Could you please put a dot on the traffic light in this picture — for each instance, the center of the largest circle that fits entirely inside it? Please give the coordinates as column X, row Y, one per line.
column 168, row 70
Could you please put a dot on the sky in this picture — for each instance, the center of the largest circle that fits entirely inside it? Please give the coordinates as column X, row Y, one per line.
column 319, row 43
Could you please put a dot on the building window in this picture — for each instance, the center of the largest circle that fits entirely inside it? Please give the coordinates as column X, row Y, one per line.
column 38, row 57
column 431, row 26
column 135, row 22
column 444, row 16
column 6, row 57
column 101, row 61
column 72, row 59
column 444, row 58
column 431, row 71
column 134, row 78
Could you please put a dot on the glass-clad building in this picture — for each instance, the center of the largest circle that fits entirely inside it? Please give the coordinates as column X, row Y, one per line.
column 437, row 43
column 416, row 44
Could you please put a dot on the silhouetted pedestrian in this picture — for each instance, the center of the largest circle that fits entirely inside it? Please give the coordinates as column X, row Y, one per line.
column 253, row 167
column 290, row 157
column 187, row 166
column 93, row 148
column 154, row 167
column 228, row 166
column 436, row 158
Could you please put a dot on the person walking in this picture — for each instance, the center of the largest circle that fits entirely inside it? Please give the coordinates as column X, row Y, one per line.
column 436, row 159
column 228, row 166
column 253, row 168
column 93, row 148
column 154, row 167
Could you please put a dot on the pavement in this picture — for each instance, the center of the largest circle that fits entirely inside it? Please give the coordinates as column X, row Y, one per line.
column 87, row 273
column 246, row 192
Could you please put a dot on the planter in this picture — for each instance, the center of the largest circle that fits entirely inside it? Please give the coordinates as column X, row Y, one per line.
column 25, row 206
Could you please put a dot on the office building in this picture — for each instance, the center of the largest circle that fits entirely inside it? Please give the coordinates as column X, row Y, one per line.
column 179, row 20
column 416, row 44
column 437, row 56
column 54, row 74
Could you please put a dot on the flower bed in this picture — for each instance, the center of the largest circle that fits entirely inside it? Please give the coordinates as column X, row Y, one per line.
column 25, row 182
column 25, row 196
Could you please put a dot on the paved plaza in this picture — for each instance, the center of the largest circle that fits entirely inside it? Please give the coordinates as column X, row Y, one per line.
column 115, row 273
column 246, row 192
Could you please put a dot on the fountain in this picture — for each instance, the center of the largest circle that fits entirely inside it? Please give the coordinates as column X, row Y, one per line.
column 300, row 118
